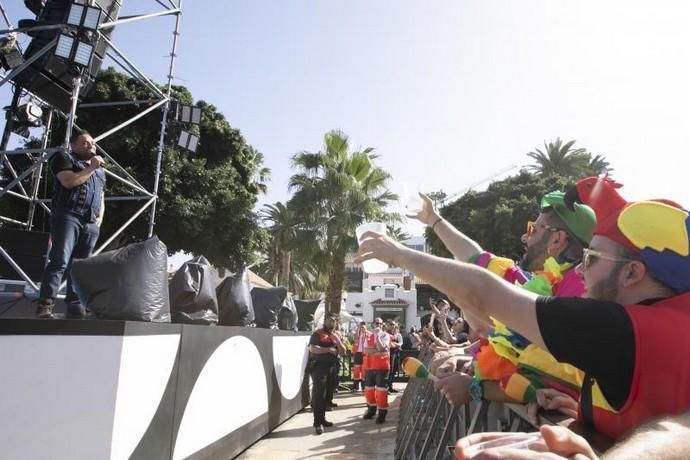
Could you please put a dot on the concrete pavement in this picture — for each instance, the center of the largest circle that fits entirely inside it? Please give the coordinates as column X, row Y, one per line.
column 351, row 438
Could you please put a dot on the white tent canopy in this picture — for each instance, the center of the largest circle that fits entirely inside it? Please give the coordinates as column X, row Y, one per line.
column 345, row 317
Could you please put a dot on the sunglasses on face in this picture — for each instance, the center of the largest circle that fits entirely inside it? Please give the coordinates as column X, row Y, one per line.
column 588, row 255
column 532, row 227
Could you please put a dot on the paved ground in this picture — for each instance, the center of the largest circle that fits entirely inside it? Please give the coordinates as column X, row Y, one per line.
column 351, row 438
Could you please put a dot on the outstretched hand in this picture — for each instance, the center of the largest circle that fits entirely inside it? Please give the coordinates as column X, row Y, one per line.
column 426, row 215
column 378, row 246
column 557, row 442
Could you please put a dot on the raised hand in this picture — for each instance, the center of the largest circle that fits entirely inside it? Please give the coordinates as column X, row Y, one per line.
column 427, row 215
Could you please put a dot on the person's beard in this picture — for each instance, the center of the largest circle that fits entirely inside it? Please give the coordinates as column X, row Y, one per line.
column 532, row 259
column 607, row 288
column 328, row 328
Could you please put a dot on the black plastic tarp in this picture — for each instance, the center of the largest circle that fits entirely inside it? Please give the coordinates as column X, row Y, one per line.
column 287, row 315
column 193, row 293
column 235, row 300
column 130, row 283
column 267, row 302
column 305, row 313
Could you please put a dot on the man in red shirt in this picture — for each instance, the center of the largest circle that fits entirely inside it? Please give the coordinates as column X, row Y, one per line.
column 324, row 346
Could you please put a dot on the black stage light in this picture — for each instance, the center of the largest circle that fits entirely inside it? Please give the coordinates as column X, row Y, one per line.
column 34, row 5
column 10, row 56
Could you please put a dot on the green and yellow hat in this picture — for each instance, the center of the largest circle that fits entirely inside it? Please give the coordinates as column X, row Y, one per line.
column 581, row 221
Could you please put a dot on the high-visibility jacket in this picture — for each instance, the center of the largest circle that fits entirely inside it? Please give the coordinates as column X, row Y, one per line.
column 378, row 355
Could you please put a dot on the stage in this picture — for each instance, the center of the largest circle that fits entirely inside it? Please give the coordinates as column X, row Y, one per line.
column 87, row 389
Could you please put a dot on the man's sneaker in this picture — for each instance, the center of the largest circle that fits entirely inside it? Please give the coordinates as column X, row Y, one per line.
column 327, row 424
column 332, row 404
column 381, row 418
column 369, row 414
column 45, row 308
column 318, row 429
column 75, row 311
column 392, row 390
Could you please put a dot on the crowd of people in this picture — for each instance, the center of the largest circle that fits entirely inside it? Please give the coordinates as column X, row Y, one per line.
column 584, row 323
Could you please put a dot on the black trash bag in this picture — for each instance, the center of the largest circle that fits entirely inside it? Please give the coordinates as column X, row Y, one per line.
column 130, row 283
column 305, row 313
column 193, row 293
column 235, row 306
column 287, row 315
column 267, row 302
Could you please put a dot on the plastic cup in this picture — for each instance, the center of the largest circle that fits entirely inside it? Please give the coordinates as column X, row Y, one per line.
column 371, row 265
column 412, row 202
column 514, row 441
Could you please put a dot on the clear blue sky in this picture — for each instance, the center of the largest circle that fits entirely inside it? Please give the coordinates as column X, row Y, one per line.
column 448, row 92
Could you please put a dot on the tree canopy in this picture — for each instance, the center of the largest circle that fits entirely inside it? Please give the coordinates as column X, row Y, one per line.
column 496, row 217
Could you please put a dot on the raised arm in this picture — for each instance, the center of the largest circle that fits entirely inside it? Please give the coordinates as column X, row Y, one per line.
column 479, row 291
column 460, row 245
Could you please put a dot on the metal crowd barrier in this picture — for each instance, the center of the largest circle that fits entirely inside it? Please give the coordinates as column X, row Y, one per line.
column 429, row 427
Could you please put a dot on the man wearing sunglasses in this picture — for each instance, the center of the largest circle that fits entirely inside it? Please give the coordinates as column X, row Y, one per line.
column 629, row 334
column 559, row 232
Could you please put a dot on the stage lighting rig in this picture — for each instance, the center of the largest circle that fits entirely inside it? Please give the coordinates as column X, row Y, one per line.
column 35, row 6
column 24, row 117
column 10, row 56
column 84, row 17
column 188, row 141
column 186, row 113
column 74, row 50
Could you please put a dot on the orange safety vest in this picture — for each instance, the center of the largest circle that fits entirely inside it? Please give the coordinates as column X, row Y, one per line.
column 378, row 360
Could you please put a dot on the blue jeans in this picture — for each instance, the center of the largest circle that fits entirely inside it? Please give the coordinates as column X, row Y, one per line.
column 72, row 237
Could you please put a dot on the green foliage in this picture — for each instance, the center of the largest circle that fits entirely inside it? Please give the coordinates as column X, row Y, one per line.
column 559, row 159
column 335, row 190
column 206, row 199
column 496, row 218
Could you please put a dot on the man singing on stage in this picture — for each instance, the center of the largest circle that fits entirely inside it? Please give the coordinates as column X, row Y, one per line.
column 76, row 216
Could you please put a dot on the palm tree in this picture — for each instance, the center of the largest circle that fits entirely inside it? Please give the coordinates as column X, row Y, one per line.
column 598, row 165
column 281, row 227
column 285, row 263
column 335, row 190
column 560, row 159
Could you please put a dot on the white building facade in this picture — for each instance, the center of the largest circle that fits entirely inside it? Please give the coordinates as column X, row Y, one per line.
column 391, row 295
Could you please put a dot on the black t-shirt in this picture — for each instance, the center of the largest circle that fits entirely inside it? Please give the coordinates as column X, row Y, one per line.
column 321, row 338
column 61, row 162
column 594, row 336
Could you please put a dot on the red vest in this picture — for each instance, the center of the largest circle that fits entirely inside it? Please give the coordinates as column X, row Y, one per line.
column 377, row 360
column 661, row 378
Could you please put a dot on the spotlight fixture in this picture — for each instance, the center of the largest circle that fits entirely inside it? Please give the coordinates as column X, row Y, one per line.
column 24, row 117
column 83, row 53
column 186, row 113
column 73, row 50
column 64, row 47
column 190, row 114
column 84, row 16
column 10, row 56
column 188, row 141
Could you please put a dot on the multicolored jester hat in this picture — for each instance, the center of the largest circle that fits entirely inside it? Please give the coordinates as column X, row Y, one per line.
column 656, row 229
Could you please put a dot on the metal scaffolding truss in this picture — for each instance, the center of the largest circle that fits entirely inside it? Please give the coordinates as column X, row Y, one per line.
column 37, row 158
